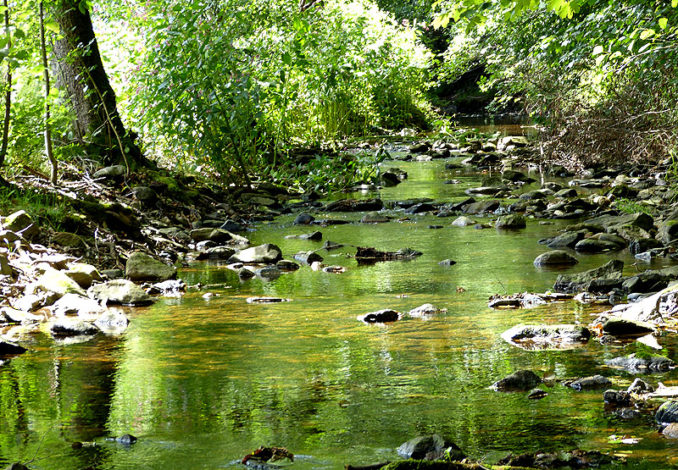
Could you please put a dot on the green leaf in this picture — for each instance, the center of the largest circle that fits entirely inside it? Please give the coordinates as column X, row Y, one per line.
column 648, row 33
column 598, row 50
column 663, row 22
column 674, row 3
column 52, row 26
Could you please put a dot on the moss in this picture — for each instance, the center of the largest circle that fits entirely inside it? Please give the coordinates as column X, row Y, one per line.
column 442, row 465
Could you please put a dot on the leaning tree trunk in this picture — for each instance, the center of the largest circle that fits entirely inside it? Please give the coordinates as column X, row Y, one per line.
column 82, row 75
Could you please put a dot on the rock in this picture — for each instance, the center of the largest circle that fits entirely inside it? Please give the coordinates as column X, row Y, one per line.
column 232, row 226
column 515, row 176
column 303, row 219
column 519, row 381
column 634, row 363
column 169, row 288
column 511, row 221
column 142, row 267
column 389, row 179
column 245, row 273
column 668, row 231
column 216, row 235
column 367, row 255
column 555, row 258
column 447, row 262
column 264, row 254
column 537, row 394
column 643, row 245
column 481, row 207
column 374, row 218
column 426, row 310
column 126, row 439
column 145, row 194
column 566, row 193
column 595, row 245
column 83, row 274
column 419, row 148
column 590, row 383
column 21, row 223
column 72, row 327
column 82, row 306
column 16, row 466
column 639, row 386
column 463, row 221
column 268, row 273
column 285, row 265
column 355, row 205
column 308, row 257
column 667, row 413
column 66, row 239
column 112, row 322
column 617, row 398
column 546, row 336
column 329, row 246
column 29, row 302
column 265, row 300
column 5, row 268
column 582, row 281
column 420, row 208
column 621, row 327
column 314, row 236
column 58, row 283
column 380, row 316
column 671, row 431
column 119, row 291
column 432, row 447
column 112, row 273
column 111, row 172
column 565, row 240
column 216, row 253
column 10, row 349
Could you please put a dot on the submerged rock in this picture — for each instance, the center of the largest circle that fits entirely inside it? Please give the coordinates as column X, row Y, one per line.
column 635, row 363
column 432, row 447
column 426, row 310
column 589, row 383
column 519, row 381
column 546, row 336
column 370, row 255
column 380, row 316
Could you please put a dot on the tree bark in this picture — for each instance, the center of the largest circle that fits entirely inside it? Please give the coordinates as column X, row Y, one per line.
column 82, row 75
column 47, row 130
column 8, row 94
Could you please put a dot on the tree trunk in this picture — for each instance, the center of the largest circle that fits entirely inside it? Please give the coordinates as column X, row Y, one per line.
column 82, row 75
column 47, row 130
column 8, row 94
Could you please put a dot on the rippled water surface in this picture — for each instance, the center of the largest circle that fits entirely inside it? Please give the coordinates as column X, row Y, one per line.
column 204, row 382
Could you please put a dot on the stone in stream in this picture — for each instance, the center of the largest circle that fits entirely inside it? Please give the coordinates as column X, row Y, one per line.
column 83, row 307
column 519, row 381
column 10, row 349
column 169, row 288
column 268, row 273
column 355, row 205
column 84, row 274
column 635, row 363
column 447, row 262
column 640, row 386
column 266, row 300
column 55, row 282
column 67, row 326
column 597, row 245
column 308, row 257
column 617, row 398
column 486, row 190
column 143, row 267
column 380, row 316
column 555, row 258
column 303, row 219
column 261, row 254
column 432, row 447
column 426, row 310
column 546, row 336
column 463, row 221
column 515, row 176
column 420, row 208
column 126, row 439
column 216, row 253
column 667, row 413
column 671, row 431
column 511, row 221
column 480, row 207
column 119, row 291
column 589, row 383
column 389, row 179
column 374, row 218
column 232, row 226
column 537, row 394
column 622, row 327
column 570, row 283
column 565, row 240
column 245, row 273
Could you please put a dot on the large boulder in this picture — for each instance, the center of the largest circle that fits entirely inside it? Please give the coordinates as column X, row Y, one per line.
column 22, row 223
column 667, row 413
column 66, row 326
column 142, row 267
column 519, row 381
column 511, row 221
column 58, row 283
column 261, row 254
column 432, row 447
column 84, row 274
column 565, row 240
column 616, row 326
column 582, row 281
column 83, row 307
column 546, row 336
column 10, row 349
column 555, row 258
column 119, row 291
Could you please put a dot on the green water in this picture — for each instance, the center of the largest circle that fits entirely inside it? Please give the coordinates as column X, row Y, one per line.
column 204, row 382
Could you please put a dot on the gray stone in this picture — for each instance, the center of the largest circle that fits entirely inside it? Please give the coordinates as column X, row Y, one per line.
column 590, row 383
column 546, row 336
column 169, row 288
column 67, row 239
column 425, row 311
column 119, row 291
column 84, row 274
column 447, row 262
column 569, row 283
column 303, row 219
column 143, row 267
column 72, row 327
column 667, row 413
column 671, row 431
column 639, row 386
column 112, row 273
column 480, row 207
column 286, row 265
column 111, row 172
column 83, row 307
column 594, row 245
column 565, row 240
column 144, row 194
column 21, row 223
column 268, row 273
column 617, row 398
column 57, row 282
column 232, row 226
column 622, row 327
column 486, row 190
column 463, row 221
column 519, row 381
column 264, row 254
column 355, row 205
column 5, row 268
column 511, row 221
column 374, row 218
column 634, row 363
column 216, row 253
column 308, row 257
column 432, row 447
column 555, row 258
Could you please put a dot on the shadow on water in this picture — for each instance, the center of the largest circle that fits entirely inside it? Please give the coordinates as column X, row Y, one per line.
column 202, row 382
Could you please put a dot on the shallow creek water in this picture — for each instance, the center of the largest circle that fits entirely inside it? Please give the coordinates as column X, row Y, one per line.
column 204, row 382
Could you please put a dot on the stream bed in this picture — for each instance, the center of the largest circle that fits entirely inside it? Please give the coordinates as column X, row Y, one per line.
column 203, row 382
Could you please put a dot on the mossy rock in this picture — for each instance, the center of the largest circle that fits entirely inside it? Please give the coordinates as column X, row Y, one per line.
column 439, row 465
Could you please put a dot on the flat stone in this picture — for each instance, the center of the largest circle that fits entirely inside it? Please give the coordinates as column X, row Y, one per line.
column 590, row 383
column 119, row 291
column 264, row 254
column 58, row 283
column 84, row 274
column 463, row 221
column 308, row 257
column 72, row 327
column 555, row 258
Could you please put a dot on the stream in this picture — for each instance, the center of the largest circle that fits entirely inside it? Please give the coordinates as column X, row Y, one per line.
column 203, row 382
